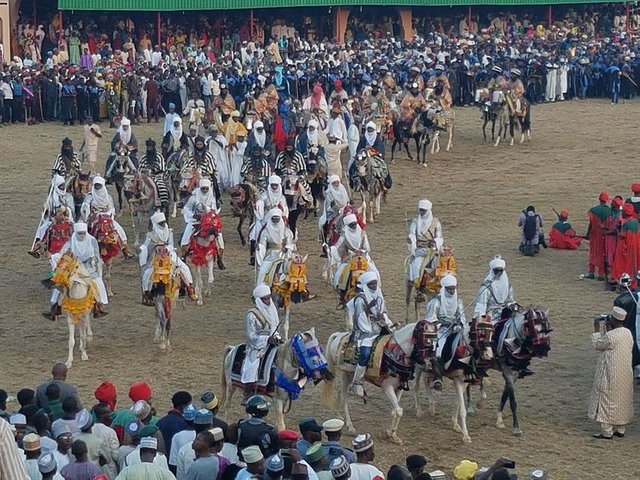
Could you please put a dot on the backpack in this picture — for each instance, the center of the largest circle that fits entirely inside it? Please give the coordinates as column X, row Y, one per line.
column 530, row 228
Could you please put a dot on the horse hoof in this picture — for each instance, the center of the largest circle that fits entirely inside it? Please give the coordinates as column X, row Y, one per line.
column 517, row 432
column 471, row 411
column 500, row 424
column 466, row 439
column 419, row 413
column 352, row 430
column 89, row 338
column 394, row 438
column 70, row 364
column 199, row 302
column 173, row 215
column 456, row 428
column 85, row 357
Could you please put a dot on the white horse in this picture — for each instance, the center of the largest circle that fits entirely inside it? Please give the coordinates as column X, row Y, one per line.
column 441, row 120
column 78, row 300
column 288, row 362
column 390, row 384
column 367, row 175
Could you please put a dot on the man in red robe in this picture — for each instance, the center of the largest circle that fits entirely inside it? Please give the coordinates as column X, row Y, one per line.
column 635, row 198
column 613, row 225
column 562, row 235
column 598, row 217
column 626, row 258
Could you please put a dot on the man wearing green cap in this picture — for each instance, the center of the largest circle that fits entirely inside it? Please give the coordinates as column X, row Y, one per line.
column 318, row 460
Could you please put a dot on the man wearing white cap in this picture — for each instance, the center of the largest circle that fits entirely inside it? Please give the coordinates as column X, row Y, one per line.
column 147, row 452
column 335, row 199
column 268, row 200
column 254, row 459
column 611, row 400
column 495, row 292
column 123, row 139
column 352, row 241
column 160, row 236
column 424, row 241
column 275, row 241
column 146, row 463
column 261, row 330
column 98, row 202
column 369, row 313
column 362, row 469
column 447, row 310
column 332, row 447
column 85, row 248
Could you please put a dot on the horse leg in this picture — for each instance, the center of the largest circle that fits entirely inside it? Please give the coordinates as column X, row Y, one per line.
column 107, row 277
column 460, row 420
column 210, row 278
column 72, row 340
column 509, row 383
column 493, row 130
column 287, row 315
column 512, row 126
column 484, row 129
column 408, row 290
column 198, row 284
column 416, row 391
column 468, row 402
column 167, row 329
column 279, row 404
column 345, row 402
column 450, row 142
column 436, row 142
column 243, row 242
column 406, row 147
column 87, row 322
column 83, row 340
column 497, row 142
column 378, row 199
column 390, row 387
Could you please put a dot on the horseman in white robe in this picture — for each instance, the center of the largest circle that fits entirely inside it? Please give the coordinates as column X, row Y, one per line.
column 275, row 240
column 58, row 199
column 85, row 248
column 495, row 292
column 335, row 199
column 447, row 311
column 98, row 201
column 160, row 235
column 424, row 241
column 353, row 241
column 268, row 200
column 370, row 316
column 261, row 330
column 201, row 200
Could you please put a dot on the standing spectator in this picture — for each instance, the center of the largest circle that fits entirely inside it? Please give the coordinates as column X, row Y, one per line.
column 97, row 451
column 67, row 102
column 48, row 467
column 174, row 422
column 82, row 468
column 101, row 429
column 3, row 405
column 18, row 100
column 62, row 435
column 32, row 450
column 611, row 402
column 59, row 378
column 11, row 463
column 362, row 469
column 7, row 100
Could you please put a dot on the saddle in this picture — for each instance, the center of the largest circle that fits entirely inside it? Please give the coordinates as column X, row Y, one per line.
column 265, row 372
column 350, row 354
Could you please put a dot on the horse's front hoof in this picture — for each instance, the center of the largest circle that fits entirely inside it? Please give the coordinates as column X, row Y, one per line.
column 199, row 302
column 517, row 432
column 419, row 413
column 393, row 437
column 500, row 424
column 69, row 364
column 466, row 439
column 85, row 357
column 456, row 428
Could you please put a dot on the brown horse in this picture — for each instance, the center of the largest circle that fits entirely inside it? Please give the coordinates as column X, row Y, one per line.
column 243, row 201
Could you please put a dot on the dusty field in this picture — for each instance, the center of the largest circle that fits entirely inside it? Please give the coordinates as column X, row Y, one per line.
column 578, row 148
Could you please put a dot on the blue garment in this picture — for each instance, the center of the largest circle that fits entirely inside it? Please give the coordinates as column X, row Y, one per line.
column 172, row 423
column 333, row 450
column 302, row 446
column 363, row 358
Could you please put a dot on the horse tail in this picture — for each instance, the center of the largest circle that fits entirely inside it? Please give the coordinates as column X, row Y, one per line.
column 223, row 377
column 328, row 392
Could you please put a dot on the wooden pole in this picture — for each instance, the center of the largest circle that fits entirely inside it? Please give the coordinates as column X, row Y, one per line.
column 158, row 21
column 251, row 25
column 61, row 31
column 627, row 12
column 469, row 19
column 550, row 16
column 35, row 17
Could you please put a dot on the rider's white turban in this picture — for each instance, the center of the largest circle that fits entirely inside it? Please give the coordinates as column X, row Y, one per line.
column 449, row 281
column 371, row 124
column 350, row 219
column 80, row 227
column 497, row 263
column 425, row 204
column 261, row 290
column 125, row 121
column 204, row 182
column 275, row 179
column 367, row 277
column 333, row 178
column 157, row 218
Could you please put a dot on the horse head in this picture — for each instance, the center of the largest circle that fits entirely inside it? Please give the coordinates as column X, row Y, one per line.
column 297, row 277
column 210, row 224
column 309, row 356
column 103, row 230
column 425, row 340
column 536, row 330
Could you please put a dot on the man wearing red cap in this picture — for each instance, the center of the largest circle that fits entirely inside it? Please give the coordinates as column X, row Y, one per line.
column 562, row 235
column 122, row 418
column 598, row 217
column 635, row 199
column 106, row 393
column 626, row 257
column 613, row 226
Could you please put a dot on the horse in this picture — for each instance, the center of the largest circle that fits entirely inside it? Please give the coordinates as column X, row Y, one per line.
column 288, row 280
column 332, row 232
column 243, row 200
column 183, row 179
column 391, row 366
column 437, row 265
column 317, row 179
column 79, row 185
column 403, row 132
column 493, row 110
column 203, row 250
column 368, row 175
column 284, row 371
column 101, row 227
column 143, row 199
column 440, row 120
column 165, row 286
column 507, row 347
column 295, row 191
column 519, row 116
column 78, row 299
column 121, row 167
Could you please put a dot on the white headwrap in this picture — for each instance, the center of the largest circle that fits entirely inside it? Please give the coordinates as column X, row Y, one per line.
column 369, row 294
column 100, row 198
column 207, row 199
column 162, row 233
column 370, row 137
column 337, row 194
column 499, row 285
column 352, row 236
column 176, row 132
column 261, row 138
column 448, row 302
column 270, row 311
column 312, row 138
column 125, row 135
column 276, row 230
column 424, row 221
column 56, row 195
column 274, row 197
column 82, row 249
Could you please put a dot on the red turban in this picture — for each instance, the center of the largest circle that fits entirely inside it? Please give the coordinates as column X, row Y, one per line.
column 603, row 197
column 564, row 213
column 140, row 391
column 106, row 393
column 627, row 209
column 635, row 187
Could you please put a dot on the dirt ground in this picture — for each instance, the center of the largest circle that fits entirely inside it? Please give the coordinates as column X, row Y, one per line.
column 577, row 150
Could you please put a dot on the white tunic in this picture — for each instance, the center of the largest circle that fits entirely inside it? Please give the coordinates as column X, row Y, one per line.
column 258, row 330
column 421, row 232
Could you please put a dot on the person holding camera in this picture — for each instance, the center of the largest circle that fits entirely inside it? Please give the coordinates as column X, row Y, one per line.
column 628, row 300
column 611, row 400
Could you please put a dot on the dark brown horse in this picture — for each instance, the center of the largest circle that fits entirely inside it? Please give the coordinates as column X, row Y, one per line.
column 243, row 201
